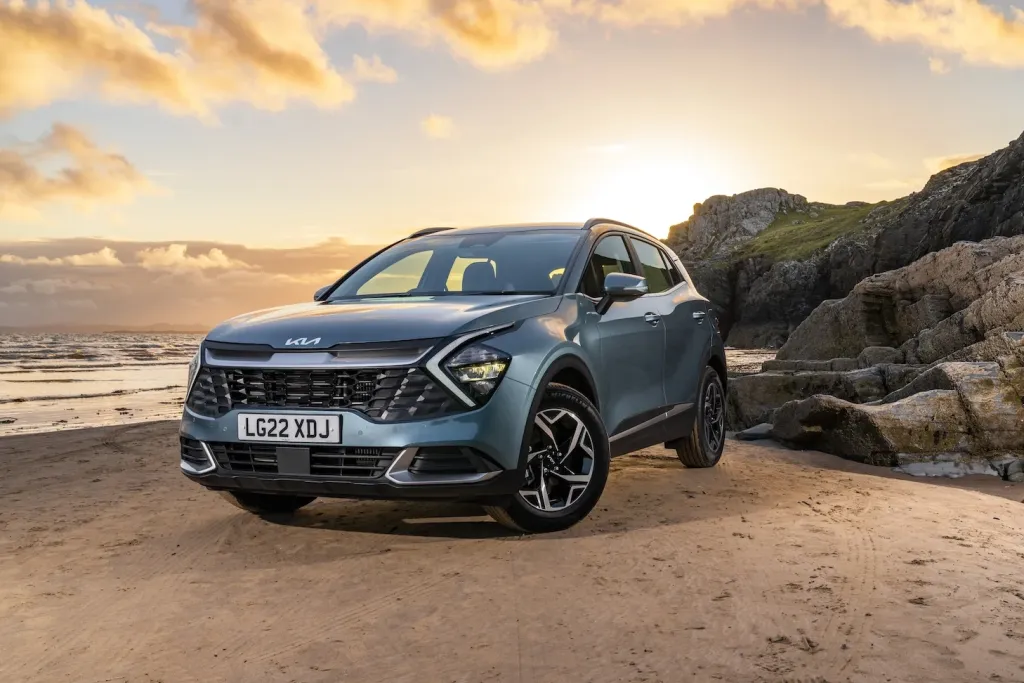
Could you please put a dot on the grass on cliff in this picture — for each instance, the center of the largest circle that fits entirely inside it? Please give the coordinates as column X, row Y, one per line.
column 795, row 236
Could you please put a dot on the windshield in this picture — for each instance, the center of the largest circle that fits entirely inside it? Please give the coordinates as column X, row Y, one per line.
column 530, row 262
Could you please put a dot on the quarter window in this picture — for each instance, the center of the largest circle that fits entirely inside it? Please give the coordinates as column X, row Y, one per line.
column 657, row 273
column 611, row 256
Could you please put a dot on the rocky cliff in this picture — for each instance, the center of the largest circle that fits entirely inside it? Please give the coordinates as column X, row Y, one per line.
column 918, row 366
column 768, row 258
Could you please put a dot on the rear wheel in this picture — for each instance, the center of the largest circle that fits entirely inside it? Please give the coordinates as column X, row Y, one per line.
column 566, row 465
column 704, row 446
column 266, row 503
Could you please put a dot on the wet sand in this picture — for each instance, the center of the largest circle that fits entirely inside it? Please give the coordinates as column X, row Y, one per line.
column 775, row 566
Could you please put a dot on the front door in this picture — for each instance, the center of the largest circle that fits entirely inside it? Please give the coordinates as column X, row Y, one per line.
column 628, row 342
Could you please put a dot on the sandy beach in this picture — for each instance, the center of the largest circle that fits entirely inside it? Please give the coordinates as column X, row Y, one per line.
column 775, row 566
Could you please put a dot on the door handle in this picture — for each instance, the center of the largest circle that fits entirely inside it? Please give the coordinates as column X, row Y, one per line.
column 652, row 318
column 699, row 317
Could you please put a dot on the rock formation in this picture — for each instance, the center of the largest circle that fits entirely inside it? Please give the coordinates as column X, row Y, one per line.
column 923, row 364
column 763, row 294
column 721, row 223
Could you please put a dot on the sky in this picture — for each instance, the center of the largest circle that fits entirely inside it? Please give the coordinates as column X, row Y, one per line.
column 259, row 128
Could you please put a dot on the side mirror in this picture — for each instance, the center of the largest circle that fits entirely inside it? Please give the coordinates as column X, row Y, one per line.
column 621, row 287
column 320, row 292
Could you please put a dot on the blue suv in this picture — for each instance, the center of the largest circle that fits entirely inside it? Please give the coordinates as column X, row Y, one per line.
column 500, row 365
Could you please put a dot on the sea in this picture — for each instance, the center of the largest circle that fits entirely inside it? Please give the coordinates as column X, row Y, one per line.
column 64, row 381
column 52, row 382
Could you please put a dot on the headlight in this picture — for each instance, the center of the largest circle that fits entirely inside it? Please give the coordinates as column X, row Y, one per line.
column 193, row 371
column 478, row 368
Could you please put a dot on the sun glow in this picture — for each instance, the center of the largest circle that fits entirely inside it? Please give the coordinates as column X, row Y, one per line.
column 652, row 194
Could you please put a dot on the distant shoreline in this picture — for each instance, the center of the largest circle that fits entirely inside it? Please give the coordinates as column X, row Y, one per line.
column 102, row 329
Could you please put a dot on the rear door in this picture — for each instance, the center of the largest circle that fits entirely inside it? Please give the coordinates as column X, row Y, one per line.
column 628, row 345
column 687, row 328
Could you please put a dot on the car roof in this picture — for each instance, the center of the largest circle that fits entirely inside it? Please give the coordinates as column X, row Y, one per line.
column 526, row 227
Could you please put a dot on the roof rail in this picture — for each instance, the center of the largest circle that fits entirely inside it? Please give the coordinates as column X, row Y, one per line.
column 427, row 231
column 593, row 222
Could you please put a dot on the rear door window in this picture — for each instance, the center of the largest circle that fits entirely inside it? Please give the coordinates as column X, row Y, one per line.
column 610, row 256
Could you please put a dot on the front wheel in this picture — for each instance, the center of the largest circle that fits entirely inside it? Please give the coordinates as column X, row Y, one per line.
column 704, row 446
column 566, row 465
column 266, row 503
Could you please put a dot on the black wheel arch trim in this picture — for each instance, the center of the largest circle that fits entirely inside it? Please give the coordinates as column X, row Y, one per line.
column 563, row 362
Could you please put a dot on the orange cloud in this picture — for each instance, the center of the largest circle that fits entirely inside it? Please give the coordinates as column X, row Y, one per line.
column 92, row 175
column 175, row 258
column 102, row 257
column 977, row 32
column 438, row 127
column 491, row 34
column 265, row 52
column 937, row 164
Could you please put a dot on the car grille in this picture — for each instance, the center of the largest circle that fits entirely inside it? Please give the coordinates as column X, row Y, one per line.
column 192, row 453
column 324, row 461
column 388, row 394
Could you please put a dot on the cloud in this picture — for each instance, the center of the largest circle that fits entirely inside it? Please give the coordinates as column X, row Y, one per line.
column 102, row 257
column 265, row 52
column 937, row 164
column 175, row 258
column 372, row 70
column 269, row 53
column 492, row 34
column 92, row 175
column 977, row 32
column 50, row 286
column 938, row 66
column 438, row 127
column 184, row 284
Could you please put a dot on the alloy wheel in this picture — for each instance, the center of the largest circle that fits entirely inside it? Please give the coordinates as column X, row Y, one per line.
column 560, row 461
column 714, row 416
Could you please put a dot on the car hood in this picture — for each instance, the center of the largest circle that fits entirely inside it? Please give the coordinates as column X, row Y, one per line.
column 324, row 324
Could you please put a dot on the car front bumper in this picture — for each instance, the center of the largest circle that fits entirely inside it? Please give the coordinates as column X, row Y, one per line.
column 495, row 431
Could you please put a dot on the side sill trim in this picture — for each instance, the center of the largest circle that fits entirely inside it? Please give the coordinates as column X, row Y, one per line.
column 670, row 413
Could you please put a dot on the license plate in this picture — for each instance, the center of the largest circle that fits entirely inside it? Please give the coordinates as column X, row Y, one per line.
column 289, row 428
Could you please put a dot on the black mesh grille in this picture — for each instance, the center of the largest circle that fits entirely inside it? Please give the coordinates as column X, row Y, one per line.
column 324, row 461
column 192, row 453
column 390, row 394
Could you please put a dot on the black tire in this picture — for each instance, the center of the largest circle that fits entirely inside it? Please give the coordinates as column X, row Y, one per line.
column 704, row 446
column 564, row 457
column 266, row 503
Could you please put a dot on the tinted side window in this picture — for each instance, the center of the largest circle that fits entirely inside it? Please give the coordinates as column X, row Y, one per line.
column 611, row 256
column 658, row 274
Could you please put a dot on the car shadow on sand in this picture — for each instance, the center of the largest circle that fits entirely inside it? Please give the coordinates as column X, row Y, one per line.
column 645, row 489
column 397, row 518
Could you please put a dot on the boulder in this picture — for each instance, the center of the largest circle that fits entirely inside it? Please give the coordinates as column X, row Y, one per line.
column 971, row 410
column 756, row 433
column 753, row 398
column 929, row 422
